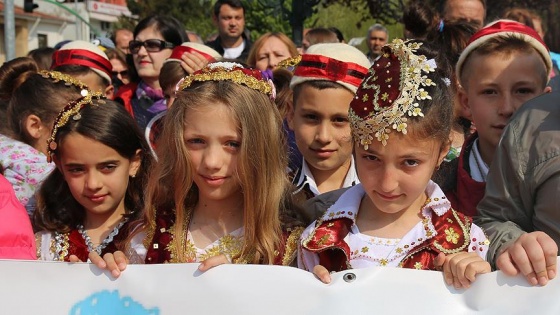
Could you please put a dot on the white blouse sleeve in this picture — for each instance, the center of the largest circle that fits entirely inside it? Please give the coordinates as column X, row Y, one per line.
column 479, row 241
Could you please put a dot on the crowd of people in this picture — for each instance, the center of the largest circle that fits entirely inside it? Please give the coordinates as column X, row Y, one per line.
column 436, row 151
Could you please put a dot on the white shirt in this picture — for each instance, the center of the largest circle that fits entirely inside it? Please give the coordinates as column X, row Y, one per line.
column 234, row 52
column 305, row 177
column 479, row 169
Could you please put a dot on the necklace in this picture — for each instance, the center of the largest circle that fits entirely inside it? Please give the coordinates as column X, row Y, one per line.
column 105, row 242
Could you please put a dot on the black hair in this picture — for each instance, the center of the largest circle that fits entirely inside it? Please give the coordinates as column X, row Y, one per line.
column 236, row 4
column 109, row 123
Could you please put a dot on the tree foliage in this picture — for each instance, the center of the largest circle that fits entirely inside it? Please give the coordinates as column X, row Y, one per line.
column 390, row 11
column 276, row 15
column 196, row 15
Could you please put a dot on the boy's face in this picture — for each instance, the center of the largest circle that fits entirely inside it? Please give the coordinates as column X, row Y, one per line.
column 494, row 87
column 319, row 120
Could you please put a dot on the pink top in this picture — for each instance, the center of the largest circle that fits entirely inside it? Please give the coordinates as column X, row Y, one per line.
column 16, row 235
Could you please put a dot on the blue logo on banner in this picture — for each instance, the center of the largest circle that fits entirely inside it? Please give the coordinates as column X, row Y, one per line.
column 109, row 303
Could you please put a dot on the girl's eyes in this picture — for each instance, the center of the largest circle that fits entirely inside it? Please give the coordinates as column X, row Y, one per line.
column 195, row 141
column 108, row 167
column 234, row 144
column 408, row 163
column 340, row 120
column 75, row 170
column 411, row 162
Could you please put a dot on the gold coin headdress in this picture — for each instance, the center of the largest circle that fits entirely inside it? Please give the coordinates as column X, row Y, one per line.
column 70, row 110
column 230, row 71
column 390, row 93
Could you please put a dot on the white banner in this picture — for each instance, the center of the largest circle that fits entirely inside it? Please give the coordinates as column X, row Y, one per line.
column 31, row 287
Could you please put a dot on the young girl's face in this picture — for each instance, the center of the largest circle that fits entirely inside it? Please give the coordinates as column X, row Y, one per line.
column 96, row 174
column 213, row 142
column 395, row 176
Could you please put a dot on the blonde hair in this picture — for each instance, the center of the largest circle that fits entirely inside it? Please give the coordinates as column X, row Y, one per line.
column 257, row 45
column 260, row 169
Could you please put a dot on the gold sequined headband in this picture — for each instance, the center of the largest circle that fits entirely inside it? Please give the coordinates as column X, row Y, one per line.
column 70, row 110
column 62, row 77
column 290, row 63
column 234, row 72
column 390, row 93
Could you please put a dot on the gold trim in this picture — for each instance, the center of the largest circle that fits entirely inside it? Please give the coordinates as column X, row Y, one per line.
column 291, row 247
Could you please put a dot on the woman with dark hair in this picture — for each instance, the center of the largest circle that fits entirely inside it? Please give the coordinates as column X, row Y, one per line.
column 154, row 39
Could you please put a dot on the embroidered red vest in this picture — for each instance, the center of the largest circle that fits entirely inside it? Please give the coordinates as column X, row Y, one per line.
column 334, row 253
column 159, row 249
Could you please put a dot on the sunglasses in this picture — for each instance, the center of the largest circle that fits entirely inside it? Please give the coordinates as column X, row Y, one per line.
column 123, row 73
column 151, row 45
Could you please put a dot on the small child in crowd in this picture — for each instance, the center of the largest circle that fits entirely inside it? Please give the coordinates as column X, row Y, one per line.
column 400, row 121
column 87, row 63
column 324, row 83
column 219, row 192
column 35, row 98
column 101, row 162
column 504, row 65
column 184, row 60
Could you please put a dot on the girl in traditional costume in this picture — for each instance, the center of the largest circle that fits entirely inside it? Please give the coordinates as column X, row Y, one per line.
column 85, row 205
column 33, row 100
column 219, row 192
column 400, row 121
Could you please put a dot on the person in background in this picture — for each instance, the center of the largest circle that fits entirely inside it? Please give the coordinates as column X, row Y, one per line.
column 232, row 43
column 121, row 37
column 154, row 39
column 338, row 33
column 419, row 19
column 318, row 35
column 194, row 37
column 269, row 50
column 470, row 10
column 42, row 57
column 451, row 37
column 319, row 118
column 30, row 117
column 377, row 37
column 87, row 63
column 184, row 60
column 505, row 64
column 120, row 75
column 519, row 210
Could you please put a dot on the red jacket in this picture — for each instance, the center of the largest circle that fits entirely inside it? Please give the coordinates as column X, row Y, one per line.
column 125, row 95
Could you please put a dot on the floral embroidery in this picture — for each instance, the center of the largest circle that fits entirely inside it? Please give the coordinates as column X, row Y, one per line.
column 451, row 236
column 24, row 167
column 418, row 266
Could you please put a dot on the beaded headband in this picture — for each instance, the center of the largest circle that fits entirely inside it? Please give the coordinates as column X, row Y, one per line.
column 290, row 63
column 234, row 72
column 62, row 77
column 70, row 110
column 390, row 93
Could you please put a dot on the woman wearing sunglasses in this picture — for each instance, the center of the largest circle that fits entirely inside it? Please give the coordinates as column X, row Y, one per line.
column 154, row 39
